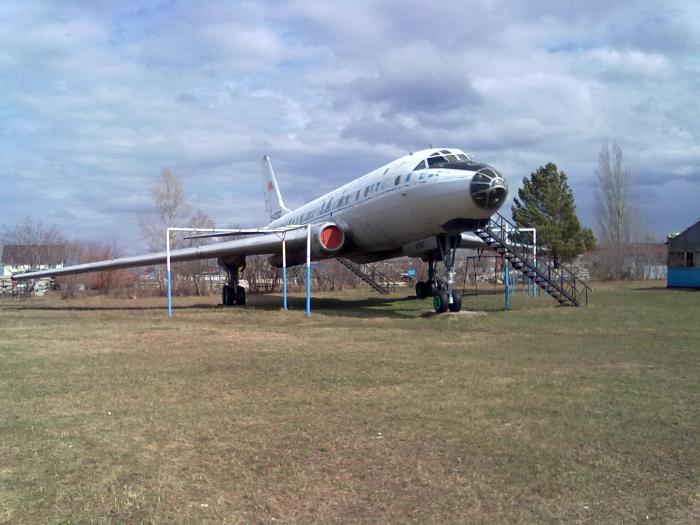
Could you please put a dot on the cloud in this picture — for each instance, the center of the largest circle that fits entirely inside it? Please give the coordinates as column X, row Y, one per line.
column 399, row 87
column 99, row 97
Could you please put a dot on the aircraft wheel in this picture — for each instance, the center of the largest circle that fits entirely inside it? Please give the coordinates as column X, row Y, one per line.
column 431, row 288
column 420, row 290
column 226, row 295
column 440, row 302
column 456, row 304
column 240, row 295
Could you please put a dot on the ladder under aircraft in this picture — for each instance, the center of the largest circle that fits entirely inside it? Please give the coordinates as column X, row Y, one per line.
column 373, row 277
column 506, row 239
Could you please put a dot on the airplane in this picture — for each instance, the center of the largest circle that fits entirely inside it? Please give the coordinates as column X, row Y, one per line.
column 425, row 204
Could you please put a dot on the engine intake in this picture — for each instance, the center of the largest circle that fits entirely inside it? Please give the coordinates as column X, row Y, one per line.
column 327, row 239
column 331, row 238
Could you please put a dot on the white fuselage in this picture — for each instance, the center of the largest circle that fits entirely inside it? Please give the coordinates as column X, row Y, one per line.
column 396, row 204
column 398, row 209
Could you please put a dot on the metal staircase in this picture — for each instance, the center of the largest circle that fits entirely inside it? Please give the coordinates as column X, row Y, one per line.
column 505, row 238
column 373, row 277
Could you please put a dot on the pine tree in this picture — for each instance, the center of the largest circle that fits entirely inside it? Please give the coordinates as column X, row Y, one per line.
column 546, row 202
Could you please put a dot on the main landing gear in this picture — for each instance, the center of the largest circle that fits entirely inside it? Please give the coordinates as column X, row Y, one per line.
column 232, row 294
column 445, row 297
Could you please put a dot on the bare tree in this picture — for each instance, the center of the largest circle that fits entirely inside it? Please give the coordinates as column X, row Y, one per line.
column 34, row 244
column 261, row 275
column 612, row 196
column 105, row 282
column 618, row 221
column 170, row 211
column 193, row 272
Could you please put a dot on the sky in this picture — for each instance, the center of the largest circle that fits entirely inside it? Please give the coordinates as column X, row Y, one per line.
column 97, row 97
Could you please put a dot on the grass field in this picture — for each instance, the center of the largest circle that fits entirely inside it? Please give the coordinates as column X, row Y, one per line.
column 368, row 412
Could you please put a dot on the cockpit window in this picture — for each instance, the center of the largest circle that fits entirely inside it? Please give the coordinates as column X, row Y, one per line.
column 461, row 156
column 434, row 162
column 463, row 165
column 448, row 155
column 488, row 189
column 421, row 166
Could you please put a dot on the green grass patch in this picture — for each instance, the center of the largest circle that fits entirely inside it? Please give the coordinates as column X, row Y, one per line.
column 367, row 412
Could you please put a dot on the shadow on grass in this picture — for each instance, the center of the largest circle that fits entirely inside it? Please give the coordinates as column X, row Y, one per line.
column 666, row 289
column 69, row 308
column 395, row 307
column 382, row 306
column 361, row 307
column 407, row 307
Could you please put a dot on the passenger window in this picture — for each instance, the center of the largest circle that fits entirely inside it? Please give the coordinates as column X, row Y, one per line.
column 366, row 191
column 357, row 197
column 408, row 177
column 397, row 180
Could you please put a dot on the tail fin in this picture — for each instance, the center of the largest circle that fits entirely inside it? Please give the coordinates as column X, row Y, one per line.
column 274, row 205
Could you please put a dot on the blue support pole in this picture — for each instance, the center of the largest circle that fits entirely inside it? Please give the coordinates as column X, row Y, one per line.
column 284, row 288
column 308, row 270
column 284, row 272
column 170, row 298
column 308, row 290
column 167, row 275
column 506, row 282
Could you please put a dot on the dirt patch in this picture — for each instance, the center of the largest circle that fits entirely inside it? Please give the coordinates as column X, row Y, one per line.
column 461, row 313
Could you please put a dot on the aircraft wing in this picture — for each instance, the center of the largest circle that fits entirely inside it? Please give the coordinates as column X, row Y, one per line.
column 263, row 244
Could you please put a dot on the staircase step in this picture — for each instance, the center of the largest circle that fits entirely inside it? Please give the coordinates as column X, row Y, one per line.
column 559, row 283
column 357, row 270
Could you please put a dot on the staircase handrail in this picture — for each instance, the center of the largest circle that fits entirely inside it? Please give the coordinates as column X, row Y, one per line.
column 562, row 274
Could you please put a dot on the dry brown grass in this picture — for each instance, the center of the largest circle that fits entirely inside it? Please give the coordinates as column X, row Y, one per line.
column 365, row 413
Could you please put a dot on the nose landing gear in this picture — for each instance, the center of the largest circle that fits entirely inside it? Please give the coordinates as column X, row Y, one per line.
column 445, row 297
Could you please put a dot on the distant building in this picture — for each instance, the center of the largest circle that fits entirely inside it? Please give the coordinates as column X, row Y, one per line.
column 684, row 258
column 18, row 258
column 636, row 261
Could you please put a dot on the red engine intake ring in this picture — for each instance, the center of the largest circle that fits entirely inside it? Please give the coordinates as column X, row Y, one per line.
column 331, row 237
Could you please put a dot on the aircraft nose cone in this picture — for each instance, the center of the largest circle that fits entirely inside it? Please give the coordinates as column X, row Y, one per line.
column 488, row 189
